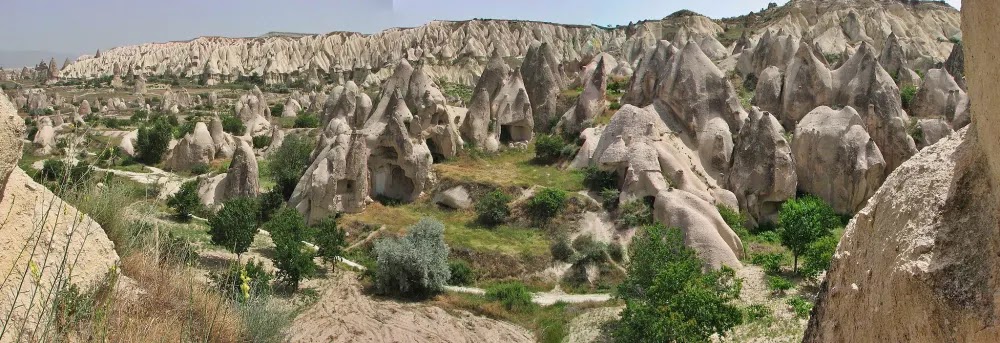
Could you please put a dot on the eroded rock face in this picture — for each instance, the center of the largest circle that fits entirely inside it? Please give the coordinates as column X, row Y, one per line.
column 195, row 148
column 764, row 171
column 591, row 102
column 931, row 131
column 892, row 58
column 543, row 80
column 939, row 96
column 45, row 139
column 11, row 132
column 241, row 180
column 836, row 159
column 767, row 94
column 500, row 111
column 808, row 84
column 650, row 72
column 704, row 230
column 252, row 109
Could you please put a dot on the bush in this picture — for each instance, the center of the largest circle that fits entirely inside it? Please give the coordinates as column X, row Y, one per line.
column 330, row 239
column 415, row 265
column 771, row 263
column 268, row 204
column 244, row 281
column 756, row 313
column 599, row 180
column 546, row 204
column 562, row 251
column 292, row 257
column 818, row 256
column 200, row 168
column 232, row 124
column 669, row 297
column 289, row 162
column 635, row 213
column 306, row 120
column 906, row 94
column 184, row 129
column 609, row 198
column 616, row 252
column 53, row 170
column 261, row 141
column 735, row 220
column 152, row 141
column 186, row 202
column 235, row 225
column 514, row 296
column 778, row 284
column 493, row 209
column 800, row 306
column 461, row 273
column 588, row 250
column 803, row 221
column 277, row 109
column 549, row 148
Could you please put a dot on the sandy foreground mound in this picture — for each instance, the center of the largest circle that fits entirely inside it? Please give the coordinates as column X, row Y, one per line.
column 343, row 314
column 45, row 242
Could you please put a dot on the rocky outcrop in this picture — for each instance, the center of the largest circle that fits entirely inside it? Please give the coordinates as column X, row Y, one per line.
column 45, row 139
column 11, row 132
column 195, row 148
column 764, row 171
column 224, row 143
column 543, row 80
column 291, row 108
column 892, row 58
column 500, row 110
column 808, row 84
column 591, row 102
column 241, row 180
column 704, row 230
column 767, row 93
column 931, row 131
column 836, row 159
column 649, row 74
column 939, row 96
column 84, row 108
column 252, row 109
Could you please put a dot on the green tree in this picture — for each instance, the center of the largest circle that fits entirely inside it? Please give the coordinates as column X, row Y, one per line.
column 186, row 202
column 232, row 124
column 818, row 256
column 549, row 148
column 669, row 298
column 415, row 265
column 547, row 203
column 292, row 257
column 330, row 239
column 801, row 222
column 306, row 120
column 493, row 209
column 152, row 141
column 235, row 225
column 289, row 162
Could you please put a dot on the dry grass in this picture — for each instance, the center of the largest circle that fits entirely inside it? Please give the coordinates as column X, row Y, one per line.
column 509, row 168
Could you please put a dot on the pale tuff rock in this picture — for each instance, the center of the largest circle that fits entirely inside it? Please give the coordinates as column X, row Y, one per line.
column 773, row 49
column 223, row 142
column 589, row 137
column 20, row 101
column 908, row 77
column 808, row 84
column 241, row 180
column 127, row 143
column 892, row 58
column 455, row 198
column 37, row 100
column 139, row 86
column 654, row 163
column 45, row 139
column 939, row 96
column 84, row 108
column 12, row 131
column 500, row 111
column 212, row 100
column 292, row 108
column 116, row 78
column 32, row 211
column 590, row 103
column 931, row 131
column 195, row 148
column 651, row 70
column 252, row 109
column 767, row 94
column 765, row 168
column 277, row 138
column 349, row 103
column 543, row 80
column 955, row 64
column 862, row 84
column 338, row 179
column 836, row 159
column 432, row 122
column 53, row 70
column 702, row 106
column 704, row 230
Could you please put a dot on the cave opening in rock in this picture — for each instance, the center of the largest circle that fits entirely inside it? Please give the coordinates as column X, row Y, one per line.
column 435, row 149
column 505, row 134
column 391, row 185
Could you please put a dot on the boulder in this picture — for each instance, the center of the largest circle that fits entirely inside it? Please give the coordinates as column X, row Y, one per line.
column 195, row 148
column 45, row 139
column 765, row 175
column 931, row 131
column 292, row 108
column 455, row 198
column 836, row 159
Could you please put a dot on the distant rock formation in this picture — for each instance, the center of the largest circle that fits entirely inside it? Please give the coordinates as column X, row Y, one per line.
column 764, row 171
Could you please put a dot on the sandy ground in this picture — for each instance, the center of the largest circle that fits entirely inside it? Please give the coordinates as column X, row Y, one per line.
column 344, row 314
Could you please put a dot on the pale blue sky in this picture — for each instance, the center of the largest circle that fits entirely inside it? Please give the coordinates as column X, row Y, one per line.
column 77, row 27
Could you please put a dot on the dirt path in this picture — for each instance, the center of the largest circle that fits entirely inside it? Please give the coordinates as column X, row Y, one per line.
column 168, row 182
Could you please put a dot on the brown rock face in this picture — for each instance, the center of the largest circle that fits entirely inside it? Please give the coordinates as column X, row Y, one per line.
column 11, row 131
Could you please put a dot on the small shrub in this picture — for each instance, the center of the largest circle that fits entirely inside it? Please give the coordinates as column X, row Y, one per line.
column 735, row 220
column 800, row 306
column 235, row 225
column 277, row 109
column 330, row 239
column 261, row 141
column 609, row 198
column 200, row 168
column 616, row 252
column 269, row 203
column 588, row 250
column 598, row 180
column 493, row 209
column 562, row 251
column 778, row 284
column 756, row 313
column 461, row 273
column 906, row 94
column 152, row 141
column 244, row 281
column 514, row 296
column 546, row 204
column 184, row 129
column 232, row 125
column 186, row 202
column 635, row 213
column 818, row 256
column 292, row 257
column 771, row 263
column 287, row 164
column 614, row 106
column 415, row 265
column 53, row 170
column 306, row 120
column 549, row 148
column 802, row 221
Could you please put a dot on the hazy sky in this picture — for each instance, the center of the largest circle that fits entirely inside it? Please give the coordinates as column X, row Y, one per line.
column 78, row 27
